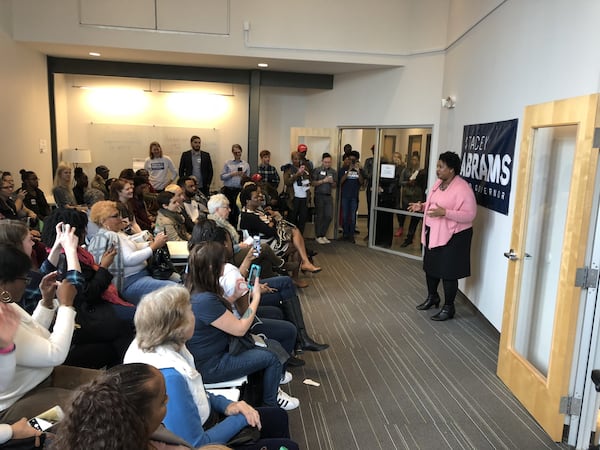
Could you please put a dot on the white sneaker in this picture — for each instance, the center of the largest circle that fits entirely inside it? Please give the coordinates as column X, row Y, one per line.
column 286, row 402
column 320, row 240
column 325, row 240
column 285, row 378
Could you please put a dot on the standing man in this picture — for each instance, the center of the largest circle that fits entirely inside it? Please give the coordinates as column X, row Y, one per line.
column 368, row 174
column 99, row 181
column 324, row 180
column 232, row 174
column 303, row 149
column 351, row 180
column 267, row 171
column 197, row 162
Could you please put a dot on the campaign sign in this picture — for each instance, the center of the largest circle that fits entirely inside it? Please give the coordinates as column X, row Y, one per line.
column 487, row 162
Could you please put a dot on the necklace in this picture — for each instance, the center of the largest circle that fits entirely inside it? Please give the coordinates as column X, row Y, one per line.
column 444, row 185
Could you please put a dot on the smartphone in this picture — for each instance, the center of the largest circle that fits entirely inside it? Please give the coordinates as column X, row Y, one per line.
column 252, row 274
column 61, row 267
column 240, row 169
column 48, row 418
column 256, row 246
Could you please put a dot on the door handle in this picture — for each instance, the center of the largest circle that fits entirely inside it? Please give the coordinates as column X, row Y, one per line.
column 511, row 255
column 527, row 256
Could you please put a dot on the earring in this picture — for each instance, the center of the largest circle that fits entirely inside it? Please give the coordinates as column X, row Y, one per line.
column 5, row 297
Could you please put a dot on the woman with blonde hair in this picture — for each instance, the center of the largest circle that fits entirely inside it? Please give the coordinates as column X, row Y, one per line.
column 129, row 268
column 164, row 322
column 63, row 187
column 161, row 169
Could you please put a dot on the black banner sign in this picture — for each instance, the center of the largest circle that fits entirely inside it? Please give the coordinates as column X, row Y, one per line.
column 487, row 162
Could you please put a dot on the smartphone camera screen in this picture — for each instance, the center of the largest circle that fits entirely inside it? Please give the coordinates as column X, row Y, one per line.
column 252, row 274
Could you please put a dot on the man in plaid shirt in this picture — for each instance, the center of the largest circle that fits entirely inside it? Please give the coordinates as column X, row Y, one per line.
column 267, row 171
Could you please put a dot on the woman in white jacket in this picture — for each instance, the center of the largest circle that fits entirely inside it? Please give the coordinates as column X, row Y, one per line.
column 37, row 350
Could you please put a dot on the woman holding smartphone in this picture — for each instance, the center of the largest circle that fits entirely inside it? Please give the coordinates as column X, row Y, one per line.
column 216, row 324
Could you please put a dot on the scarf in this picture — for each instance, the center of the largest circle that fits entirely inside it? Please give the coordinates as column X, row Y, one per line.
column 235, row 237
column 110, row 294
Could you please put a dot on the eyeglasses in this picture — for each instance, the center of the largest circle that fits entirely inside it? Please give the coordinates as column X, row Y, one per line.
column 226, row 207
column 25, row 279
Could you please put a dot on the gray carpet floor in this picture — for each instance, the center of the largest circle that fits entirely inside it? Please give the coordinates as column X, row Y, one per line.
column 393, row 378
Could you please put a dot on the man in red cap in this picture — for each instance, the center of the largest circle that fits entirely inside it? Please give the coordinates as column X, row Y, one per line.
column 303, row 149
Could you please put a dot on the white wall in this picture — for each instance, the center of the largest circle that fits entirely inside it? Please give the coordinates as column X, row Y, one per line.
column 230, row 127
column 24, row 108
column 379, row 31
column 526, row 52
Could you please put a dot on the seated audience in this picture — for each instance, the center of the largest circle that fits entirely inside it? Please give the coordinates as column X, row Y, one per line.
column 164, row 322
column 38, row 351
column 121, row 191
column 194, row 200
column 169, row 218
column 216, row 324
column 34, row 199
column 15, row 232
column 271, row 227
column 81, row 185
column 141, row 198
column 99, row 181
column 129, row 268
column 63, row 190
column 105, row 320
column 119, row 409
column 218, row 208
column 179, row 198
column 276, row 291
column 9, row 324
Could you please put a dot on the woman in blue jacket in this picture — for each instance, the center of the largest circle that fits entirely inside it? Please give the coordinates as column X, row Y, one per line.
column 164, row 322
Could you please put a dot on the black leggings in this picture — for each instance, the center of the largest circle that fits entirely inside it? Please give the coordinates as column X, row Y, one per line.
column 450, row 288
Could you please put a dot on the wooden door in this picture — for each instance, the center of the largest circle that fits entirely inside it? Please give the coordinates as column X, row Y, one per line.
column 555, row 184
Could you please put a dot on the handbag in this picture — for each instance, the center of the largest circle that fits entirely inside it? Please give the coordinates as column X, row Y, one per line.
column 160, row 266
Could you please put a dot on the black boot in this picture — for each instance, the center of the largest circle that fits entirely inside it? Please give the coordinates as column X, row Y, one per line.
column 407, row 241
column 293, row 313
column 447, row 312
column 431, row 300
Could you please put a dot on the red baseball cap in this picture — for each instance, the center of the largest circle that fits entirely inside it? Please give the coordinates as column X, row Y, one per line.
column 257, row 177
column 302, row 148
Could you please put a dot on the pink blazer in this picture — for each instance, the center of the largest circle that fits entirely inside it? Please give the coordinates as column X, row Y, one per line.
column 460, row 205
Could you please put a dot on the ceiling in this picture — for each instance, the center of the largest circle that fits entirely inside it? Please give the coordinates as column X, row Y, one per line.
column 202, row 60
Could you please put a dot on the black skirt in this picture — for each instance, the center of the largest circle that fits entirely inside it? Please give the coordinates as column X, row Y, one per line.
column 451, row 261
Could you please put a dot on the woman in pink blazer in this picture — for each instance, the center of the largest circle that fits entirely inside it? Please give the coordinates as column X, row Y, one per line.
column 447, row 232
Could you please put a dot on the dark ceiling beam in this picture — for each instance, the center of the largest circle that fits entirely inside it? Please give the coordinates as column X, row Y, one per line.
column 187, row 73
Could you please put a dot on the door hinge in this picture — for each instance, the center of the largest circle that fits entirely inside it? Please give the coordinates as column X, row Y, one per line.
column 570, row 406
column 586, row 278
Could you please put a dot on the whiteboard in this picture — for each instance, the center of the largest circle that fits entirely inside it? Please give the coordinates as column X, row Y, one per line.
column 119, row 146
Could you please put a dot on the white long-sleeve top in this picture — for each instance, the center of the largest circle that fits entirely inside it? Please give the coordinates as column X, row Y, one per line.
column 37, row 350
column 7, row 371
column 134, row 255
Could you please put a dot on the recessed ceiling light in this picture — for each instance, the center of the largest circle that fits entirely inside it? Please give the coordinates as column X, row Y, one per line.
column 263, row 65
column 94, row 54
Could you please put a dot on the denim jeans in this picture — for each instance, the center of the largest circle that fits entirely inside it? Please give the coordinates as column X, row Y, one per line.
column 227, row 367
column 349, row 207
column 282, row 331
column 139, row 284
column 284, row 289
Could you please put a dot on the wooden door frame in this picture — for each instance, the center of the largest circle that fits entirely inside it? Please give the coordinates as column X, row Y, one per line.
column 538, row 393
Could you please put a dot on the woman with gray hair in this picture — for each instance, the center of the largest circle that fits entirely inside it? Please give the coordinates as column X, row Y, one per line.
column 218, row 210
column 164, row 322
